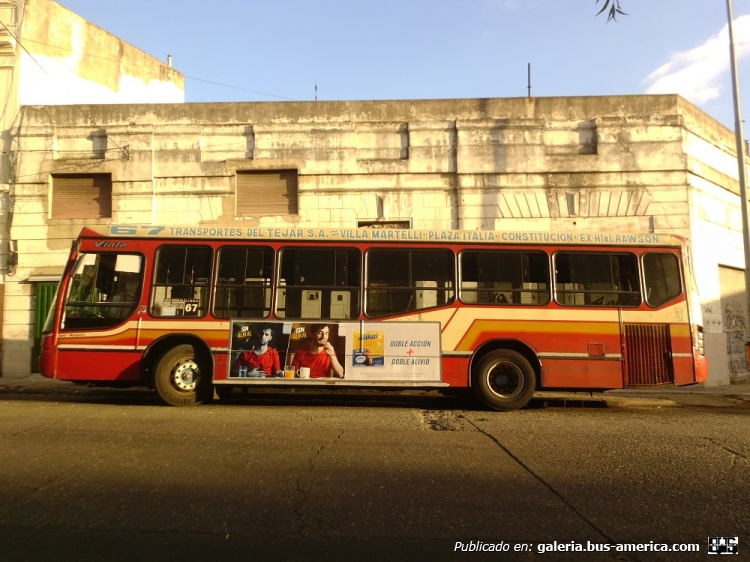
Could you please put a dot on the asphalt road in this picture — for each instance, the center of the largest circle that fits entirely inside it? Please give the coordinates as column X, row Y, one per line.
column 402, row 477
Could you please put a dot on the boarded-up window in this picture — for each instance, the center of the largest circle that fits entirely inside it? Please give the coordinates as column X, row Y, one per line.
column 267, row 193
column 82, row 196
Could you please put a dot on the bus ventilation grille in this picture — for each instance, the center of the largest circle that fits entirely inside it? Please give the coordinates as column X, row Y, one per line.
column 647, row 352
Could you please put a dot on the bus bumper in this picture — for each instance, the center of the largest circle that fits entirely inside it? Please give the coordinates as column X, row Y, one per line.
column 47, row 357
column 701, row 365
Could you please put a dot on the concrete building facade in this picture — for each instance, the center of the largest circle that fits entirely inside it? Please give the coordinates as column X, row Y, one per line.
column 51, row 56
column 608, row 164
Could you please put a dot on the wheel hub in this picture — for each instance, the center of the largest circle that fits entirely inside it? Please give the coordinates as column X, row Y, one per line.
column 185, row 375
column 505, row 379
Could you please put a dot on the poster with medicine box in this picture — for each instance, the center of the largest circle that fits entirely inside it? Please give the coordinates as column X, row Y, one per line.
column 367, row 352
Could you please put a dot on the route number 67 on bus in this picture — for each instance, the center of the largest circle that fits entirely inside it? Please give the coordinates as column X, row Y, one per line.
column 197, row 311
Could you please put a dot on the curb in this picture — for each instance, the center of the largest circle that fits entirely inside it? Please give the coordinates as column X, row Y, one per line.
column 639, row 402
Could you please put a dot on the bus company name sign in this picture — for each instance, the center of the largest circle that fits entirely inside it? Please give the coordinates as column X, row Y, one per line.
column 220, row 232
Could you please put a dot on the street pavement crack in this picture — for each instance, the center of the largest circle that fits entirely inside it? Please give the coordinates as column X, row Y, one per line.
column 728, row 450
column 544, row 483
column 300, row 488
column 31, row 429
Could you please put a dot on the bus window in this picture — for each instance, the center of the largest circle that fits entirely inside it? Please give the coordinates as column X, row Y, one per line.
column 504, row 277
column 405, row 280
column 181, row 281
column 661, row 273
column 243, row 282
column 318, row 283
column 600, row 279
column 104, row 290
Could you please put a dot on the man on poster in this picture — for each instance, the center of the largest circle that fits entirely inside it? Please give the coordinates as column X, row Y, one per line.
column 319, row 355
column 261, row 360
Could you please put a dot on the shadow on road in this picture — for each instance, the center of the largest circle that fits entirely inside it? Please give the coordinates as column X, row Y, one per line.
column 366, row 398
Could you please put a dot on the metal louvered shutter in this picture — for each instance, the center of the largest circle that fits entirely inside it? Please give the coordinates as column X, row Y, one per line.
column 82, row 196
column 734, row 317
column 267, row 193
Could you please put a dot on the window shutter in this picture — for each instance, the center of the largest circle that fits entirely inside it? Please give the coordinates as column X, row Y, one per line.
column 82, row 196
column 267, row 193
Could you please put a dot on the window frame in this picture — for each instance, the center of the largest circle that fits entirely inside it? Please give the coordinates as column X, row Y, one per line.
column 84, row 208
column 277, row 288
column 409, row 249
column 215, row 285
column 129, row 307
column 643, row 273
column 207, row 285
column 548, row 290
column 584, row 292
column 267, row 206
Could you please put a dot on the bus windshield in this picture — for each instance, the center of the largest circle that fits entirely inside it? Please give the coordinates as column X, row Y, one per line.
column 103, row 290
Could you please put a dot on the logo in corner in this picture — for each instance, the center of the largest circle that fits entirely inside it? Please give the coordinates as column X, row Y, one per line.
column 723, row 545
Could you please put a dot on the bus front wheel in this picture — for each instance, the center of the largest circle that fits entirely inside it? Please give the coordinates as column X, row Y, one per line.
column 504, row 380
column 179, row 379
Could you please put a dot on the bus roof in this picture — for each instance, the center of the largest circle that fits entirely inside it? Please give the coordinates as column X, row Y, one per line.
column 298, row 233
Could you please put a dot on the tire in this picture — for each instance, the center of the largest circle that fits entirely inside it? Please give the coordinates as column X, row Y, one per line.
column 180, row 379
column 504, row 380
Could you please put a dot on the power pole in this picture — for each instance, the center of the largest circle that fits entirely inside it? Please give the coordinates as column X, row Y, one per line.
column 740, row 153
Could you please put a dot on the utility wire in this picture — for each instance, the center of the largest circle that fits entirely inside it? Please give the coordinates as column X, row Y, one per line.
column 125, row 151
column 148, row 67
column 239, row 88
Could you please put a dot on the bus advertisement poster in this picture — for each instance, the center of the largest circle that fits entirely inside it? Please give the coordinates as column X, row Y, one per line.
column 359, row 351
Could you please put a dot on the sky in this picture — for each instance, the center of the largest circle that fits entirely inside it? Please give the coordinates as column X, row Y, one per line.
column 276, row 50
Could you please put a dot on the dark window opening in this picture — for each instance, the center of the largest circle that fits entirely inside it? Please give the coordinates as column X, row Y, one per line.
column 181, row 281
column 505, row 277
column 661, row 273
column 243, row 283
column 406, row 280
column 318, row 283
column 600, row 279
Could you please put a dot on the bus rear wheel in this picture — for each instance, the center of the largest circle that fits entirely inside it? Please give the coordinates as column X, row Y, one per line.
column 504, row 380
column 179, row 379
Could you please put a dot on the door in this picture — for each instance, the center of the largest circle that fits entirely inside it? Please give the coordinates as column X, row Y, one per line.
column 45, row 294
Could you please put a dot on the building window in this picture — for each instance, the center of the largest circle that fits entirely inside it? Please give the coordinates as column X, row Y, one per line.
column 267, row 193
column 81, row 196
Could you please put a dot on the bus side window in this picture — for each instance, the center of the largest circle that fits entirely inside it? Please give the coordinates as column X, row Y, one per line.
column 400, row 281
column 243, row 282
column 318, row 283
column 597, row 279
column 661, row 274
column 181, row 281
column 504, row 277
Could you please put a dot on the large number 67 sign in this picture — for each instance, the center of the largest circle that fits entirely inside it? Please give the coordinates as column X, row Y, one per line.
column 133, row 230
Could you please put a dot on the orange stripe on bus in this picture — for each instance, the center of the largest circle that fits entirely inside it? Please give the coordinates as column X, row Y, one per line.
column 474, row 335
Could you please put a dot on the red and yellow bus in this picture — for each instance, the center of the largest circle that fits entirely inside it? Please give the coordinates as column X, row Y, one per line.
column 193, row 310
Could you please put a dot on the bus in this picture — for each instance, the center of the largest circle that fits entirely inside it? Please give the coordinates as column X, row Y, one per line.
column 194, row 312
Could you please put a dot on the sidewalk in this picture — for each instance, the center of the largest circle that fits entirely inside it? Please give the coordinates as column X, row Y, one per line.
column 731, row 395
